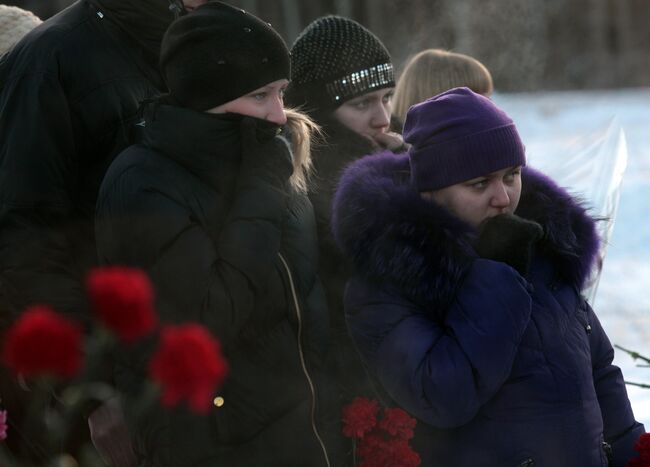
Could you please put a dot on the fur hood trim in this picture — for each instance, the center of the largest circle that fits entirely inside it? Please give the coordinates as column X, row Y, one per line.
column 394, row 236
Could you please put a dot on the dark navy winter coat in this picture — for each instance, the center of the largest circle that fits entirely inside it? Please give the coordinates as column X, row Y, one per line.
column 216, row 236
column 500, row 370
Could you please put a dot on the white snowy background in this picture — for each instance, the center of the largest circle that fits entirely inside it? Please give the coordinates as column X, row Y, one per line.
column 581, row 139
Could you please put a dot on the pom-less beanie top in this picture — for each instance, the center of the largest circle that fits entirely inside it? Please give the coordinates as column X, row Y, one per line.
column 459, row 135
column 218, row 53
column 335, row 59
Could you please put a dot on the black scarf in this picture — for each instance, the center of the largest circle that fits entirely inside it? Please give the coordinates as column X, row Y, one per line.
column 143, row 20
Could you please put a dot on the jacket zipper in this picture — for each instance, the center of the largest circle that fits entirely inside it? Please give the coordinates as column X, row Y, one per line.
column 302, row 360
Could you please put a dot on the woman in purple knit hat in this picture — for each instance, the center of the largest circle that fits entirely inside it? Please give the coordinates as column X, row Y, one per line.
column 466, row 301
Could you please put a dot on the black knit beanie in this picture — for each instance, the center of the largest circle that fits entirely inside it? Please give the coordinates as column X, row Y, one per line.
column 217, row 53
column 334, row 60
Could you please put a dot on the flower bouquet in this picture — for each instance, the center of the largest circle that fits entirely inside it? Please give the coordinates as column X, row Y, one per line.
column 63, row 365
column 379, row 441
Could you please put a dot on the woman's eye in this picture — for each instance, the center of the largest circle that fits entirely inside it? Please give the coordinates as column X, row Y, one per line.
column 511, row 176
column 480, row 184
column 388, row 98
column 361, row 105
column 260, row 96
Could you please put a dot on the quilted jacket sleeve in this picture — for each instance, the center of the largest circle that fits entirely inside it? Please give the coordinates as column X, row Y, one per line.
column 443, row 372
column 38, row 171
column 620, row 428
column 211, row 274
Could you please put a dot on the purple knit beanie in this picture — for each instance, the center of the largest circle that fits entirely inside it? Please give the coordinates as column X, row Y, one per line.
column 459, row 135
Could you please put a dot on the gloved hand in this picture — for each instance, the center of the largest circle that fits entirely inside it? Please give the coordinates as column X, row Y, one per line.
column 265, row 154
column 509, row 239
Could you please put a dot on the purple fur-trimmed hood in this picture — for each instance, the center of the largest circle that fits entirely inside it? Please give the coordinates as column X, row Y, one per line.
column 392, row 235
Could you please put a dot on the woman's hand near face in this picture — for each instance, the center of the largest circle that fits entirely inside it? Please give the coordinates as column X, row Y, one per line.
column 369, row 116
column 509, row 239
column 390, row 140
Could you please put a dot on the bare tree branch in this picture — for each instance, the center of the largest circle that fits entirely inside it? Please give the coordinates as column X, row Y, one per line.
column 633, row 354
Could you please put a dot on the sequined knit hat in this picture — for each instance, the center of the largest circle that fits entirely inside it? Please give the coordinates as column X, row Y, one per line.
column 217, row 53
column 335, row 59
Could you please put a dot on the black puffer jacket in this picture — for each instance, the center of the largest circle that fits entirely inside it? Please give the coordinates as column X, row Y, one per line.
column 69, row 95
column 213, row 233
column 340, row 147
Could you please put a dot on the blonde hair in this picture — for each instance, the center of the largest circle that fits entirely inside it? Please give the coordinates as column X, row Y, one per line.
column 433, row 71
column 302, row 131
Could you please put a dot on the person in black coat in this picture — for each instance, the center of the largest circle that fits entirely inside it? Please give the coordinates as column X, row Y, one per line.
column 69, row 97
column 212, row 206
column 342, row 76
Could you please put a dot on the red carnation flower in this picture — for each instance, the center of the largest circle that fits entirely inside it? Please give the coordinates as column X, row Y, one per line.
column 42, row 342
column 397, row 422
column 380, row 443
column 403, row 454
column 642, row 446
column 123, row 299
column 377, row 451
column 369, row 445
column 188, row 364
column 359, row 417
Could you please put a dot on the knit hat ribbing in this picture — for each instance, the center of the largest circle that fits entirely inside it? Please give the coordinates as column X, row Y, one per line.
column 335, row 59
column 459, row 135
column 217, row 53
column 14, row 24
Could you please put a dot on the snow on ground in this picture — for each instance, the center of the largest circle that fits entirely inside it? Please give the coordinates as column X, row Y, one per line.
column 560, row 125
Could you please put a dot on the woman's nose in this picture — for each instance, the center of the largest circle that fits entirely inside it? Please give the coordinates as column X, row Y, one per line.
column 276, row 113
column 381, row 117
column 500, row 196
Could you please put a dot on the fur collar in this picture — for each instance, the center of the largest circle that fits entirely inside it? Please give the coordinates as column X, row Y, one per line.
column 393, row 236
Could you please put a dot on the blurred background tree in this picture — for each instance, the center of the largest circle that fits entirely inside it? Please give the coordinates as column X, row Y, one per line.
column 528, row 45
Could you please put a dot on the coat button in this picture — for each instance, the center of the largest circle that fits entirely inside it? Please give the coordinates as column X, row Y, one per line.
column 218, row 401
column 530, row 462
column 588, row 328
